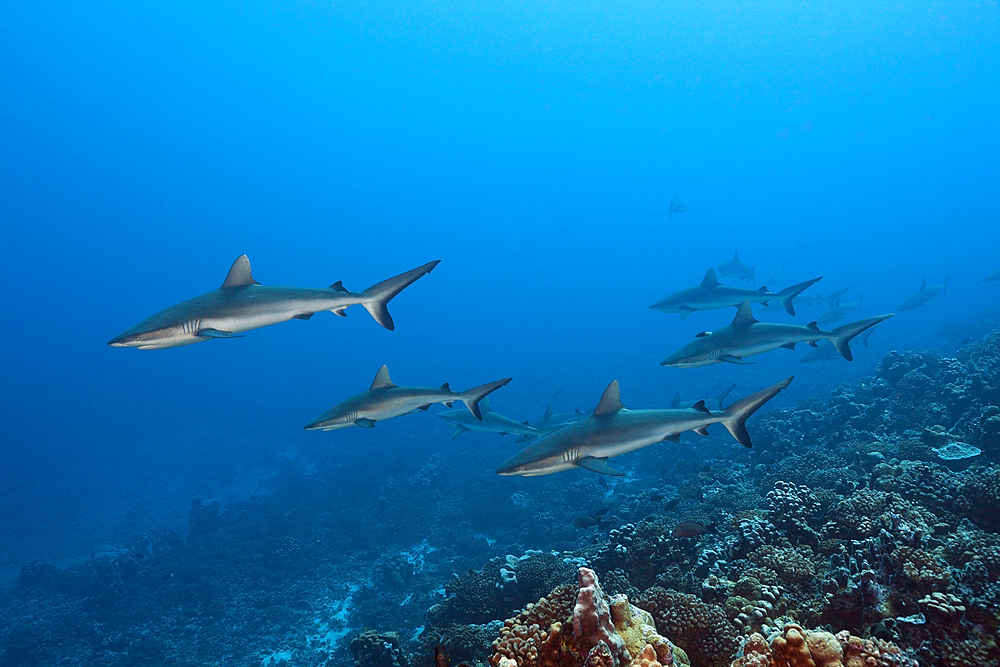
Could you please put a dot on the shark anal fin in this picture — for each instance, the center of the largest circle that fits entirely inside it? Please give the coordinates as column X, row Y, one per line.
column 813, row 343
column 423, row 408
column 450, row 404
column 702, row 431
column 365, row 423
column 789, row 346
column 599, row 466
column 302, row 316
column 730, row 359
column 341, row 312
column 673, row 437
column 215, row 333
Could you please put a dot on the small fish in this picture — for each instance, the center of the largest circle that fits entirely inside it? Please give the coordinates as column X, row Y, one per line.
column 590, row 520
column 672, row 504
column 689, row 529
column 167, row 577
column 441, row 658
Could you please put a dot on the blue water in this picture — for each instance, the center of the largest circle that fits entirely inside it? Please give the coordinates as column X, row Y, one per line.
column 532, row 147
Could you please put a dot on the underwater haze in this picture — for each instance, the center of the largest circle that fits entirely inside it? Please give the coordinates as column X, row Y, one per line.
column 543, row 152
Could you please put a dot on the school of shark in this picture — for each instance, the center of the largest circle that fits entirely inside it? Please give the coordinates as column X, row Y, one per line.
column 558, row 441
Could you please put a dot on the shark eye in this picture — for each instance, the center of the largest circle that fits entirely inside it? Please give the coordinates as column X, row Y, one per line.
column 520, row 467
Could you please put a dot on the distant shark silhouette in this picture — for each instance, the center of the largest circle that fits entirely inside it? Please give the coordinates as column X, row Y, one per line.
column 924, row 294
column 736, row 268
column 712, row 295
column 677, row 205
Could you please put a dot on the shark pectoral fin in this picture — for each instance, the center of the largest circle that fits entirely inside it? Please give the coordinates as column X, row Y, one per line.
column 685, row 311
column 341, row 312
column 302, row 316
column 730, row 359
column 702, row 431
column 365, row 423
column 215, row 333
column 422, row 408
column 599, row 466
column 789, row 346
column 459, row 430
column 673, row 437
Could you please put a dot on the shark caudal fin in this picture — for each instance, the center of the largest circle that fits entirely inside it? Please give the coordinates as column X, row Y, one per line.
column 841, row 336
column 721, row 397
column 377, row 297
column 786, row 295
column 735, row 416
column 471, row 397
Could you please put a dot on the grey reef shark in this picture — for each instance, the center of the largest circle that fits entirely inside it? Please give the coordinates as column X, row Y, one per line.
column 552, row 418
column 839, row 310
column 242, row 304
column 384, row 400
column 712, row 295
column 612, row 430
column 677, row 205
column 746, row 337
column 678, row 403
column 491, row 422
column 992, row 277
column 736, row 268
column 922, row 296
column 818, row 300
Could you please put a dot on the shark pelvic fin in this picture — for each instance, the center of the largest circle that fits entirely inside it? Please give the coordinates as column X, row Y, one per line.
column 459, row 430
column 710, row 280
column 239, row 274
column 215, row 333
column 673, row 437
column 382, row 380
column 341, row 312
column 702, row 431
column 302, row 316
column 744, row 316
column 363, row 422
column 611, row 401
column 789, row 346
column 599, row 465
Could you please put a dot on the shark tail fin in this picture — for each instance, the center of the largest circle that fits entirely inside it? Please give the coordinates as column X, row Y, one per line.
column 377, row 297
column 721, row 397
column 786, row 295
column 471, row 397
column 841, row 336
column 735, row 416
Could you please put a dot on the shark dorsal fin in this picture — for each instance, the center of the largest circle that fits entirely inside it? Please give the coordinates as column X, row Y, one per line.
column 382, row 380
column 744, row 317
column 701, row 407
column 677, row 400
column 923, row 285
column 763, row 290
column 445, row 388
column 548, row 411
column 239, row 274
column 813, row 325
column 736, row 255
column 339, row 287
column 611, row 401
column 710, row 280
column 484, row 405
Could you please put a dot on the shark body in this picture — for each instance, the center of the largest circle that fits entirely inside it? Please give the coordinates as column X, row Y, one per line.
column 491, row 422
column 924, row 295
column 736, row 268
column 824, row 350
column 992, row 277
column 242, row 304
column 679, row 403
column 839, row 310
column 746, row 337
column 710, row 294
column 385, row 400
column 612, row 430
